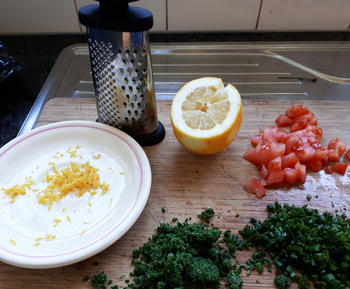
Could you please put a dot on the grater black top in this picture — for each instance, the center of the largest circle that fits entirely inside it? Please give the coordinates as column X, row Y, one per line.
column 116, row 15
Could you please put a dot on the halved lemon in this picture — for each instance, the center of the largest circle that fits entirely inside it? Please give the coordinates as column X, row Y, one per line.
column 206, row 116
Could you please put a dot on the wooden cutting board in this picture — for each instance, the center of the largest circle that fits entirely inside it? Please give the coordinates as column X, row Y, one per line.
column 185, row 184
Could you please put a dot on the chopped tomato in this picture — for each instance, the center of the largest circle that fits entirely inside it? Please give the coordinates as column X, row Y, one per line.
column 315, row 165
column 303, row 121
column 263, row 153
column 337, row 145
column 282, row 156
column 296, row 110
column 275, row 171
column 290, row 175
column 270, row 135
column 333, row 155
column 264, row 173
column 340, row 168
column 328, row 169
column 282, row 120
column 254, row 186
column 289, row 160
column 257, row 138
column 301, row 172
column 348, row 154
column 282, row 135
column 321, row 155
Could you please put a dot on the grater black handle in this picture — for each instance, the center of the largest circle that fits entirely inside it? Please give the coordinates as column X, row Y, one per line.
column 117, row 2
column 116, row 15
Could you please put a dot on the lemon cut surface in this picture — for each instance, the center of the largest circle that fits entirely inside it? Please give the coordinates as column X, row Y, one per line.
column 206, row 116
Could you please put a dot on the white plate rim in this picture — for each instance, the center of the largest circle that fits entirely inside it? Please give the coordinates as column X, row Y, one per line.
column 113, row 234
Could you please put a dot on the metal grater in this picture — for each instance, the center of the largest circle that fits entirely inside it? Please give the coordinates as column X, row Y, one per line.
column 121, row 68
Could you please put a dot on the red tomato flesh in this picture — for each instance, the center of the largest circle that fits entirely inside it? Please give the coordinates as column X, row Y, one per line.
column 340, row 168
column 296, row 110
column 282, row 121
column 254, row 186
column 282, row 156
column 289, row 160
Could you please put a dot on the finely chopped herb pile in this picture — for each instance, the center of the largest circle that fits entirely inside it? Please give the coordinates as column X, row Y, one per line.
column 302, row 244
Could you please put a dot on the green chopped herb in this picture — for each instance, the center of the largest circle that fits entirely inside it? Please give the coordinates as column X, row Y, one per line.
column 163, row 210
column 237, row 216
column 99, row 280
column 174, row 220
column 115, row 287
column 309, row 197
column 206, row 215
column 282, row 282
column 234, row 280
column 95, row 263
column 302, row 240
column 86, row 278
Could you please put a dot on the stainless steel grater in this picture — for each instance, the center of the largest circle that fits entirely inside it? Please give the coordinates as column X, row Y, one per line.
column 121, row 68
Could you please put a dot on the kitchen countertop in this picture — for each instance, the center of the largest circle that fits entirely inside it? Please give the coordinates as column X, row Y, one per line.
column 37, row 54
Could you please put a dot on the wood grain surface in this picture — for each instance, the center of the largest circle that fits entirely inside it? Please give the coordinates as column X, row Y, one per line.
column 185, row 184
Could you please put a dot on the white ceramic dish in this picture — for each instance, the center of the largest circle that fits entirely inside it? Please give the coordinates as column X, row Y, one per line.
column 81, row 226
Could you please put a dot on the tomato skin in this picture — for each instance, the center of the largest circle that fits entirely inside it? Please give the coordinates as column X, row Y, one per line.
column 296, row 110
column 282, row 121
column 290, row 175
column 348, row 154
column 340, row 168
column 256, row 139
column 289, row 160
column 254, row 186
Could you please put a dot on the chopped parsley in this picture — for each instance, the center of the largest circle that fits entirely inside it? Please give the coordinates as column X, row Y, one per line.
column 301, row 243
column 206, row 215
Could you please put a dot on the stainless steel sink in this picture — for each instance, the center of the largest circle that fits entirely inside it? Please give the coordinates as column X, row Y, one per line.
column 314, row 71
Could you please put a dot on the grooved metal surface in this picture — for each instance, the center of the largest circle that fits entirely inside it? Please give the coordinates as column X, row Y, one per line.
column 312, row 71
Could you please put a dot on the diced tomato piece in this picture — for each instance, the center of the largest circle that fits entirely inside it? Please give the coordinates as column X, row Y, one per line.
column 275, row 171
column 298, row 125
column 254, row 186
column 348, row 154
column 282, row 135
column 321, row 155
column 257, row 138
column 305, row 152
column 264, row 173
column 289, row 160
column 282, row 121
column 270, row 135
column 315, row 165
column 333, row 155
column 296, row 110
column 251, row 156
column 337, row 145
column 290, row 175
column 301, row 172
column 340, row 168
column 268, row 152
column 328, row 169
